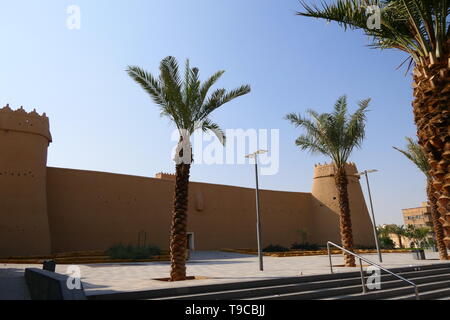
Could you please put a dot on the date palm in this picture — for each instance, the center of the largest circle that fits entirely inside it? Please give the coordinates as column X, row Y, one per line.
column 399, row 231
column 335, row 135
column 185, row 101
column 421, row 29
column 415, row 153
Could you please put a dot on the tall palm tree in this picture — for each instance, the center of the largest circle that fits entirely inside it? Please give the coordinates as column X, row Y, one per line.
column 415, row 153
column 419, row 28
column 335, row 135
column 186, row 103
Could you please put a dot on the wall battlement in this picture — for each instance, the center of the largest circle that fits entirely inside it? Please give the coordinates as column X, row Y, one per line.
column 328, row 170
column 165, row 176
column 21, row 121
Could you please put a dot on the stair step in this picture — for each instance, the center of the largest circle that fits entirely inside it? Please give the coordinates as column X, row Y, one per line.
column 296, row 287
column 353, row 292
column 439, row 294
column 399, row 291
column 341, row 285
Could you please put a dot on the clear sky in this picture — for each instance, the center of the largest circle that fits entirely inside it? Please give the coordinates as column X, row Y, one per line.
column 101, row 120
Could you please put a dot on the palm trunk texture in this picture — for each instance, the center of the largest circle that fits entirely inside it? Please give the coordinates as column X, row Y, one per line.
column 345, row 222
column 431, row 114
column 437, row 226
column 178, row 238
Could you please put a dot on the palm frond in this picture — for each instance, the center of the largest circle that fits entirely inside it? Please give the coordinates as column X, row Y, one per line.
column 334, row 134
column 420, row 28
column 415, row 153
column 184, row 99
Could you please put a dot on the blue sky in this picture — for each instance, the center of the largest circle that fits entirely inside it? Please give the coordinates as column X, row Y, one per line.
column 101, row 120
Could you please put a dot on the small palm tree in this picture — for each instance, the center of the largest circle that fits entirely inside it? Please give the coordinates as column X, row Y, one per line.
column 415, row 153
column 184, row 101
column 418, row 235
column 399, row 231
column 421, row 29
column 335, row 135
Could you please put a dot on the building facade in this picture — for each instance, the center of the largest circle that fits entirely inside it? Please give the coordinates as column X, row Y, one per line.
column 418, row 217
column 46, row 210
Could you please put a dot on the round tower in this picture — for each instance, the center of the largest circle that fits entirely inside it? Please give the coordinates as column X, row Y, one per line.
column 325, row 196
column 24, row 226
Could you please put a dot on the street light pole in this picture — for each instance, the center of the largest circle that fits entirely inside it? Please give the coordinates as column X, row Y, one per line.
column 258, row 217
column 375, row 234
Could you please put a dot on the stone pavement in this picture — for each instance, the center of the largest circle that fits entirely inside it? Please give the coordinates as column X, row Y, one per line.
column 218, row 267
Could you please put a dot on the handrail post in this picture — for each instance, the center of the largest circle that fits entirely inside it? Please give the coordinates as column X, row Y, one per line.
column 362, row 276
column 329, row 257
column 417, row 293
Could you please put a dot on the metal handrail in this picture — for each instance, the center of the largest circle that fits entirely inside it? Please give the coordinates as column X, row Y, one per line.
column 416, row 290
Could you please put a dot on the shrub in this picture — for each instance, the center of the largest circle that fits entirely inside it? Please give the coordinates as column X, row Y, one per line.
column 305, row 246
column 121, row 251
column 387, row 243
column 275, row 248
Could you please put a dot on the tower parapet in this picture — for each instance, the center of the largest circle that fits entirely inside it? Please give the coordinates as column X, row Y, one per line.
column 329, row 170
column 22, row 121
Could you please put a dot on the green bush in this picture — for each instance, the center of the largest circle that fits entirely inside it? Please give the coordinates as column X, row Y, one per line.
column 305, row 246
column 121, row 251
column 275, row 248
column 387, row 243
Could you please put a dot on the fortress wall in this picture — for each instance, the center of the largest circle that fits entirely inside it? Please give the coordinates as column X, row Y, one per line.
column 44, row 210
column 228, row 218
column 93, row 210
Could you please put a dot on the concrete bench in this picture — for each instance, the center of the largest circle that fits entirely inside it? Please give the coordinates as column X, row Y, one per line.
column 46, row 285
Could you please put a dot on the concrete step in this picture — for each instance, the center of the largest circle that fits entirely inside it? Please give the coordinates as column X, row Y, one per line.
column 302, row 287
column 439, row 294
column 354, row 291
column 397, row 291
column 297, row 287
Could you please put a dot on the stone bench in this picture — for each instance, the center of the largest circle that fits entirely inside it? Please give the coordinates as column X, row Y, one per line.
column 46, row 285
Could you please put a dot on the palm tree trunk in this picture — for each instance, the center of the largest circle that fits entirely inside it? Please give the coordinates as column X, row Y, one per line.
column 345, row 222
column 178, row 237
column 437, row 226
column 432, row 117
column 399, row 236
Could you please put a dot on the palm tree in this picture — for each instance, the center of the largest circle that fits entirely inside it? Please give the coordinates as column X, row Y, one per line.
column 399, row 231
column 186, row 103
column 418, row 235
column 419, row 28
column 335, row 135
column 415, row 153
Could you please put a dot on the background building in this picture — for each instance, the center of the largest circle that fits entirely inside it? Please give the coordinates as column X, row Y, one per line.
column 418, row 217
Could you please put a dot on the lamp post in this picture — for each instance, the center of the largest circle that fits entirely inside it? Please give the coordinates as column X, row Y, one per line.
column 258, row 217
column 375, row 234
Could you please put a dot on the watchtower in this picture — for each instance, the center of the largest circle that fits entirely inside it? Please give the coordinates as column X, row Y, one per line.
column 24, row 226
column 325, row 195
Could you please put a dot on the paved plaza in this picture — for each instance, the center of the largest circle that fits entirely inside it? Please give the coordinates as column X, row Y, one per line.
column 217, row 267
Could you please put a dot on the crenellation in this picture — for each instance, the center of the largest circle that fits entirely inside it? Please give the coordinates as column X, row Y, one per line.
column 23, row 121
